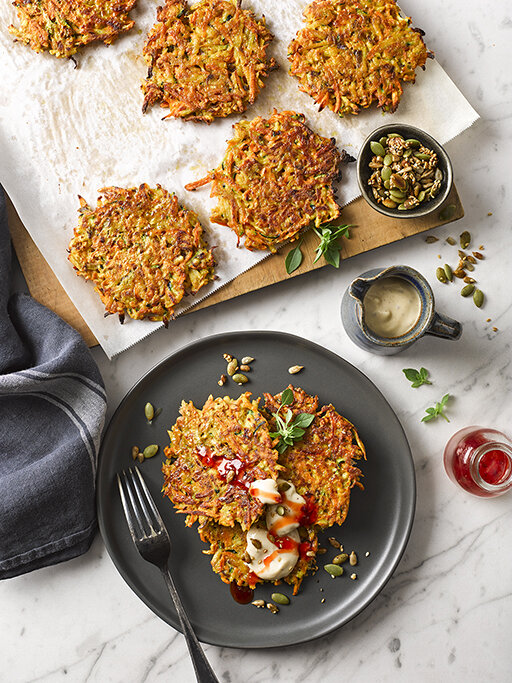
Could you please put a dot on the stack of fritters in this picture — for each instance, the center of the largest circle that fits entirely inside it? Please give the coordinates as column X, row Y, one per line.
column 62, row 27
column 275, row 179
column 354, row 52
column 142, row 250
column 232, row 436
column 205, row 61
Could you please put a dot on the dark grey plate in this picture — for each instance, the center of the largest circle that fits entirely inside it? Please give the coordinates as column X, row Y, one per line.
column 379, row 520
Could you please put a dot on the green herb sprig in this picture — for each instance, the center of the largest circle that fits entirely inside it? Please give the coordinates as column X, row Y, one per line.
column 289, row 430
column 437, row 410
column 329, row 246
column 293, row 259
column 417, row 377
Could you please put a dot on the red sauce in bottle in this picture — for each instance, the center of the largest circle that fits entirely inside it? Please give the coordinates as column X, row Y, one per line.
column 480, row 461
column 241, row 594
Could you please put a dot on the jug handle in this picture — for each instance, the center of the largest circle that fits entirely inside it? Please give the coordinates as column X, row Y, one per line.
column 444, row 327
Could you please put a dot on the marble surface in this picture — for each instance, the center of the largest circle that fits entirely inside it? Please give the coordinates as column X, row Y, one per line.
column 446, row 613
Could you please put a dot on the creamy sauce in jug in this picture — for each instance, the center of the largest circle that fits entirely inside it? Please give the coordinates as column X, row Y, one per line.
column 391, row 307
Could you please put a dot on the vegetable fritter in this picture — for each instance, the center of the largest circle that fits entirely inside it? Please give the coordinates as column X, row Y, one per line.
column 62, row 26
column 321, row 465
column 228, row 547
column 215, row 453
column 354, row 52
column 275, row 179
column 205, row 61
column 142, row 250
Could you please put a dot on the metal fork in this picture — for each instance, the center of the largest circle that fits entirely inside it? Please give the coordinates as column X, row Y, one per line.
column 151, row 539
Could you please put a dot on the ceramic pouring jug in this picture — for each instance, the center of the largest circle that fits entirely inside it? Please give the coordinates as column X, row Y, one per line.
column 429, row 321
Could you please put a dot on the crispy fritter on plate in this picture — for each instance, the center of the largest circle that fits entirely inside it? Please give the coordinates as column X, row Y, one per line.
column 205, row 61
column 142, row 250
column 62, row 26
column 228, row 547
column 215, row 453
column 354, row 52
column 275, row 179
column 322, row 465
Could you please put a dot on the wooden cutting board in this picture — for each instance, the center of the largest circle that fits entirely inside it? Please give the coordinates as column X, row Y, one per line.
column 370, row 230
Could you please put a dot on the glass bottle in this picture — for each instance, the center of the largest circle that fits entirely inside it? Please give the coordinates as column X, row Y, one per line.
column 479, row 459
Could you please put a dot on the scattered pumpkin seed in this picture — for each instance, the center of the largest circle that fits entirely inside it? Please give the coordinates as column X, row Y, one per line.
column 478, row 255
column 462, row 254
column 258, row 603
column 422, row 156
column 227, row 357
column 460, row 273
column 447, row 213
column 333, row 569
column 471, row 259
column 273, row 608
column 149, row 412
column 449, row 272
column 140, row 457
column 383, row 140
column 469, row 266
column 280, row 598
column 451, row 241
column 465, row 239
column 150, row 451
column 430, row 239
column 388, row 160
column 295, row 369
column 412, row 142
column 353, row 559
column 469, row 279
column 478, row 298
column 467, row 290
column 239, row 378
column 334, row 542
column 232, row 367
column 245, row 368
column 256, row 543
column 280, row 510
column 340, row 559
column 389, row 203
column 247, row 359
column 135, row 452
column 222, row 380
column 441, row 275
column 377, row 148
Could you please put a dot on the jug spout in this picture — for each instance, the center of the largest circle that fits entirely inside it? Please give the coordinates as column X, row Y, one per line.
column 358, row 289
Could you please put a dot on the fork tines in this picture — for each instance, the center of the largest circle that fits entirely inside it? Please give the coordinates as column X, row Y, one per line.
column 139, row 508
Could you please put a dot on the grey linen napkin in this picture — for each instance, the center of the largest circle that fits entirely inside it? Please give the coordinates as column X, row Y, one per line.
column 52, row 408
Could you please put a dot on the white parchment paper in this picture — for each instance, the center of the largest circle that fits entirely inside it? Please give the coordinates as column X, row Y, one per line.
column 66, row 131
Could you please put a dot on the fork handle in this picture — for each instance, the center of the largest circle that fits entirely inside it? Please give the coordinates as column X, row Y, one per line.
column 204, row 672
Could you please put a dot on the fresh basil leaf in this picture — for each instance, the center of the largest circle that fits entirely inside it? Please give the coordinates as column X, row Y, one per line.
column 293, row 259
column 411, row 374
column 304, row 419
column 332, row 257
column 287, row 397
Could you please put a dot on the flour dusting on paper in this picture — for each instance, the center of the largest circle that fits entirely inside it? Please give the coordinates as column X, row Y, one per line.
column 67, row 132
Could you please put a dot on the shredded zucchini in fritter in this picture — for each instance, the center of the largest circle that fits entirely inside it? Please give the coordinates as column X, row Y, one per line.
column 205, row 61
column 142, row 250
column 62, row 26
column 355, row 52
column 275, row 179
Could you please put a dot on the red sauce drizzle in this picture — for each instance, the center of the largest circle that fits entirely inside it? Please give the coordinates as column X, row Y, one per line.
column 224, row 467
column 241, row 594
column 309, row 512
column 304, row 548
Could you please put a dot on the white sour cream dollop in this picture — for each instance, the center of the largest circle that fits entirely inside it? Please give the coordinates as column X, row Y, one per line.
column 267, row 560
column 292, row 502
column 265, row 490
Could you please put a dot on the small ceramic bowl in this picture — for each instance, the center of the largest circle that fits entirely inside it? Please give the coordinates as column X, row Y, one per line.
column 364, row 171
